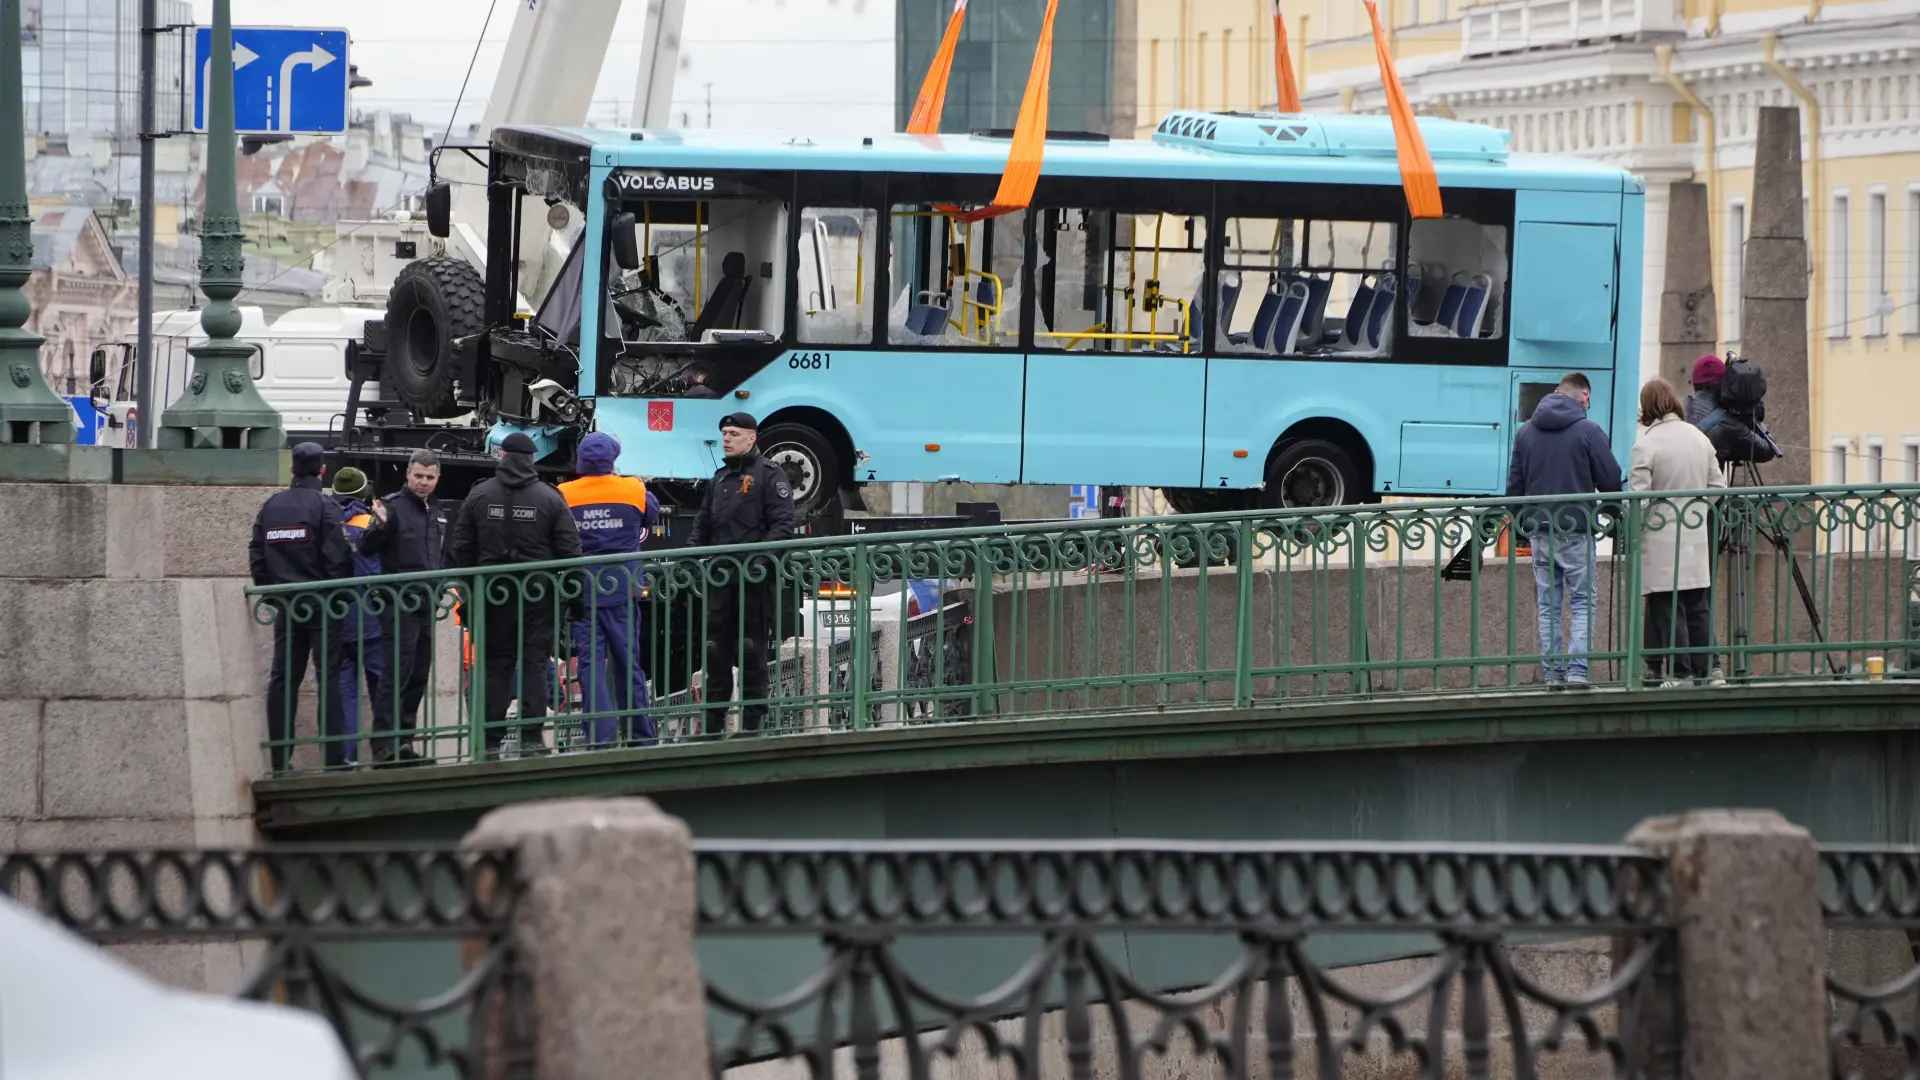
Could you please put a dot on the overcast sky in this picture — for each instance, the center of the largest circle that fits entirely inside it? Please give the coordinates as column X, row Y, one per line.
column 782, row 64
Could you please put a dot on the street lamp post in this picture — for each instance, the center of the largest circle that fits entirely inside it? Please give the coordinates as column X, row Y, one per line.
column 30, row 412
column 220, row 408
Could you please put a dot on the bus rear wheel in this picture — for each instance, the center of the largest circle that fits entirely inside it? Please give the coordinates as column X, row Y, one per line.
column 1309, row 473
column 812, row 466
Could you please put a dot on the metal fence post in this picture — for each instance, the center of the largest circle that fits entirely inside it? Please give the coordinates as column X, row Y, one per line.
column 1632, row 526
column 860, row 666
column 1743, row 889
column 1243, row 618
column 473, row 662
column 604, row 926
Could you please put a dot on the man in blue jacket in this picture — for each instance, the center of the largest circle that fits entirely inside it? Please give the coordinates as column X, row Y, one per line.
column 614, row 514
column 1558, row 451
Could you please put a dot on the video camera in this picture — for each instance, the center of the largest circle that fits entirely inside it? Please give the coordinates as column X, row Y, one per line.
column 1738, row 427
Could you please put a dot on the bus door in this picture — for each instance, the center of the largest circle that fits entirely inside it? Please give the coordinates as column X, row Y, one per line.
column 1116, row 379
column 945, row 387
column 1566, row 302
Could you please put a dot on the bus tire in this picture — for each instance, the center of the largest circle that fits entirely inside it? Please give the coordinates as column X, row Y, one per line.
column 434, row 302
column 1309, row 473
column 812, row 466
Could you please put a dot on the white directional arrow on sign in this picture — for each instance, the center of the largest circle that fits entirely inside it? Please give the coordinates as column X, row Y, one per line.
column 315, row 58
column 242, row 56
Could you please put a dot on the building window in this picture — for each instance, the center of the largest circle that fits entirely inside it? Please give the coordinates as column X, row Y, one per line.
column 1911, row 451
column 1877, row 264
column 269, row 204
column 1838, row 321
column 1736, row 266
column 1837, row 461
column 1913, row 261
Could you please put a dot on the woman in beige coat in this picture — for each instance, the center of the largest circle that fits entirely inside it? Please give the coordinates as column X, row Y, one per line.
column 1676, row 537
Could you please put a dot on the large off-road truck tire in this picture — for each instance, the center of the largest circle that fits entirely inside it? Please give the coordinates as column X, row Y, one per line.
column 434, row 302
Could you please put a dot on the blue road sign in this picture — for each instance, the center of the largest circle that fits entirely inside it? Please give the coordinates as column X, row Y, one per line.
column 90, row 423
column 1083, row 501
column 286, row 80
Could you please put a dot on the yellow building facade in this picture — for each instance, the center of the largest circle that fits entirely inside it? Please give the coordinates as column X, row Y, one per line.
column 1670, row 89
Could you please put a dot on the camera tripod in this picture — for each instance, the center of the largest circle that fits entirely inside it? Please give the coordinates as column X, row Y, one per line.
column 1739, row 544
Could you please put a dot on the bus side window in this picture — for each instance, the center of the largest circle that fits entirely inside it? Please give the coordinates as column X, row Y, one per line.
column 835, row 265
column 1456, row 278
column 1304, row 287
column 955, row 285
column 1119, row 282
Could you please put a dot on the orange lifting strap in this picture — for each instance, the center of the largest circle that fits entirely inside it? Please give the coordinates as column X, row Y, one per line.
column 933, row 92
column 1416, row 165
column 1283, row 80
column 1029, row 135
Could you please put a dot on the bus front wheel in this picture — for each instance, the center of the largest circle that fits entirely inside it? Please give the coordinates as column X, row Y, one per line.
column 1309, row 473
column 812, row 466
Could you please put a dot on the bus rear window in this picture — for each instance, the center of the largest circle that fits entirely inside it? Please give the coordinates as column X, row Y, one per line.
column 1456, row 278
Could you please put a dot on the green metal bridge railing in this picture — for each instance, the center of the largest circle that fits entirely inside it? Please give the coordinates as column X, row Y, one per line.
column 1212, row 612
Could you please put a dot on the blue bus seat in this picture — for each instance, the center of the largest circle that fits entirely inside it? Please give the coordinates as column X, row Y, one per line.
column 1378, row 324
column 1456, row 294
column 1473, row 306
column 1426, row 292
column 1229, row 300
column 1355, row 325
column 1263, row 320
column 926, row 320
column 1313, row 322
column 1286, row 326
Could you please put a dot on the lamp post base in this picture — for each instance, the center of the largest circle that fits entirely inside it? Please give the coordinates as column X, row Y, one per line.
column 221, row 409
column 30, row 412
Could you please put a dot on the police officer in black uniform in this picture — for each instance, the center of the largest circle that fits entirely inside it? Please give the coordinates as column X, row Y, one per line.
column 749, row 501
column 408, row 534
column 515, row 518
column 297, row 537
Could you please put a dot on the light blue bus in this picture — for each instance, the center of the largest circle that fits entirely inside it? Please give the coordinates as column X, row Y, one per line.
column 1238, row 311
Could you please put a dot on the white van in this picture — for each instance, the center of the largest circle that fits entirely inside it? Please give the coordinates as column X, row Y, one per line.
column 299, row 366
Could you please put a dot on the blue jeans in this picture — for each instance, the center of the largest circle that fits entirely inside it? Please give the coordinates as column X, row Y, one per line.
column 1564, row 565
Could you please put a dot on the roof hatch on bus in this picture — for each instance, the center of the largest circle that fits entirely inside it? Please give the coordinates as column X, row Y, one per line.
column 1296, row 135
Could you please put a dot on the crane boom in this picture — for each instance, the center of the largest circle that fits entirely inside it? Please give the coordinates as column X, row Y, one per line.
column 659, row 63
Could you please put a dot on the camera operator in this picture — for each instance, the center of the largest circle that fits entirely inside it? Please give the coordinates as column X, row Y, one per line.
column 1731, row 411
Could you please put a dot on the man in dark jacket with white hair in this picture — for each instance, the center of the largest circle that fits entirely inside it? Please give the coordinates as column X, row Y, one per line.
column 516, row 518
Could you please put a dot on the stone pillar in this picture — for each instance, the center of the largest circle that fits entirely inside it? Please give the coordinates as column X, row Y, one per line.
column 1774, row 310
column 30, row 412
column 606, row 927
column 1689, row 327
column 1745, row 897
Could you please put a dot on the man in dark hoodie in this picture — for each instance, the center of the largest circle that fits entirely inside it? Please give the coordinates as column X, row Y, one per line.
column 514, row 518
column 1558, row 451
